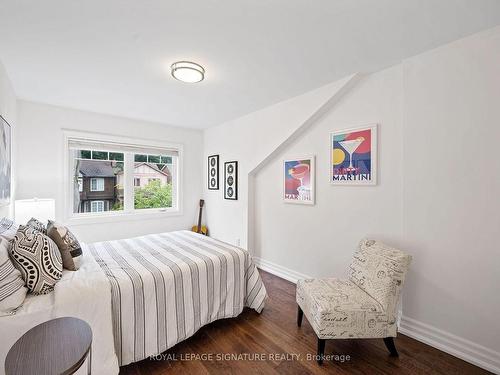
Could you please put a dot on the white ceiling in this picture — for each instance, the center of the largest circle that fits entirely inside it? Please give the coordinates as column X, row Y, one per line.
column 113, row 56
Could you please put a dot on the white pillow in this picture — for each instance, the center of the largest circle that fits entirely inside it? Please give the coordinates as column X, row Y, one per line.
column 12, row 286
column 8, row 229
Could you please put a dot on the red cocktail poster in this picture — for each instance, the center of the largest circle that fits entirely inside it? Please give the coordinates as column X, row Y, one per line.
column 298, row 180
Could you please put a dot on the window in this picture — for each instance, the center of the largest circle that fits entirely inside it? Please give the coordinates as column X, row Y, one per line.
column 115, row 178
column 80, row 183
column 97, row 184
column 158, row 191
column 98, row 176
column 97, row 206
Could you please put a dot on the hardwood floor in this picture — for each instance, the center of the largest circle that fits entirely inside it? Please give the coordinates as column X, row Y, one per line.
column 275, row 332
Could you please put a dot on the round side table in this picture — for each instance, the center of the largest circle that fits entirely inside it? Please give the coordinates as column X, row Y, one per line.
column 58, row 346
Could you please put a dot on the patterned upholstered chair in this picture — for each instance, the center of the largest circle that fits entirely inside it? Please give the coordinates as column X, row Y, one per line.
column 364, row 305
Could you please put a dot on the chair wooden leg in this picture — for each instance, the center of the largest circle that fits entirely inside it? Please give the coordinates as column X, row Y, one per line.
column 389, row 343
column 321, row 350
column 300, row 315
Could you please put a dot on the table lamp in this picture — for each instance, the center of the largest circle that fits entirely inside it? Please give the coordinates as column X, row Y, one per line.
column 41, row 209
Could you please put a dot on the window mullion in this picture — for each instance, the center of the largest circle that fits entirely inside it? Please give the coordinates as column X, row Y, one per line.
column 128, row 188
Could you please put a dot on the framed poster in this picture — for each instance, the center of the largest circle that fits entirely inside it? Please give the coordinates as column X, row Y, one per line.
column 298, row 180
column 5, row 162
column 231, row 180
column 354, row 156
column 213, row 172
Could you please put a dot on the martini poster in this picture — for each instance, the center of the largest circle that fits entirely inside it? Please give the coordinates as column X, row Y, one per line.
column 354, row 156
column 298, row 180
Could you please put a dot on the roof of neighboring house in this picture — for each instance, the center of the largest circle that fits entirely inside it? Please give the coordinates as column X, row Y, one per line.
column 96, row 168
column 165, row 171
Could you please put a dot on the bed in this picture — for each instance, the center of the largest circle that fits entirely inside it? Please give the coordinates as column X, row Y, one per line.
column 164, row 287
column 143, row 295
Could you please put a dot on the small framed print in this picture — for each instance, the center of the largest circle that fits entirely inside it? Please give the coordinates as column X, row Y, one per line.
column 354, row 156
column 298, row 180
column 213, row 172
column 231, row 180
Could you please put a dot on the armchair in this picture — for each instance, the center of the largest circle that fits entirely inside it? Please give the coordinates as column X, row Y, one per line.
column 364, row 305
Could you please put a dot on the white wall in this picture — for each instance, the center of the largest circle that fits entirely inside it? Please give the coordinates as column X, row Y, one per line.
column 319, row 240
column 8, row 111
column 40, row 164
column 250, row 140
column 451, row 188
column 437, row 195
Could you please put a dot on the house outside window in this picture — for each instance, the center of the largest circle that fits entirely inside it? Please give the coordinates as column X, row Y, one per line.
column 97, row 184
column 97, row 181
column 116, row 179
column 155, row 175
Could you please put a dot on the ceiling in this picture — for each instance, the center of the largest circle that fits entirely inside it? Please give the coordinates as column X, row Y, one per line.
column 113, row 56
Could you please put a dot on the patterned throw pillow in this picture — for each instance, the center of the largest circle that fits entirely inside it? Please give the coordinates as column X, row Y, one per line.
column 37, row 224
column 67, row 243
column 8, row 228
column 12, row 289
column 38, row 259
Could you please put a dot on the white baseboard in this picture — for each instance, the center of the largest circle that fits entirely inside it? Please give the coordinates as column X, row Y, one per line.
column 280, row 271
column 457, row 346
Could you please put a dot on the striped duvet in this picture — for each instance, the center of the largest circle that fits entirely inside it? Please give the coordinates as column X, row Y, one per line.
column 166, row 286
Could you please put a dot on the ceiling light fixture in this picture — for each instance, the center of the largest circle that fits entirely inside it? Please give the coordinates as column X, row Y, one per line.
column 187, row 71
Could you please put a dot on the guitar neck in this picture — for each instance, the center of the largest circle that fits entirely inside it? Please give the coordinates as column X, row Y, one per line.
column 199, row 220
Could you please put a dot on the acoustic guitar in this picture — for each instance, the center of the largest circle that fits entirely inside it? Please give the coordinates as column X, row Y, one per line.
column 202, row 229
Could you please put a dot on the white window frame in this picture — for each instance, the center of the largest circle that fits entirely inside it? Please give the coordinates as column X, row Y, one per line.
column 128, row 213
column 99, row 184
column 92, row 206
column 137, row 179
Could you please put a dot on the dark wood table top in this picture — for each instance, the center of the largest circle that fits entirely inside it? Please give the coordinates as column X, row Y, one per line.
column 58, row 346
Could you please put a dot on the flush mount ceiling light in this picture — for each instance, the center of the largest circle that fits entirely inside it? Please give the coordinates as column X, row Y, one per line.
column 187, row 71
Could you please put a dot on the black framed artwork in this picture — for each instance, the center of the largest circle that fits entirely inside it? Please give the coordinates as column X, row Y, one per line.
column 213, row 172
column 231, row 180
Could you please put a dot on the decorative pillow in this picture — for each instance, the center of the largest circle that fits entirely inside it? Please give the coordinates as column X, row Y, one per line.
column 37, row 224
column 8, row 228
column 67, row 243
column 12, row 289
column 38, row 259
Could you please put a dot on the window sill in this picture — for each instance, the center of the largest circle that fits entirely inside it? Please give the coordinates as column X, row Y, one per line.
column 115, row 217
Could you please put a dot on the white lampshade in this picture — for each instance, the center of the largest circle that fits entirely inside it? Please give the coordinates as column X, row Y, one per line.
column 41, row 209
